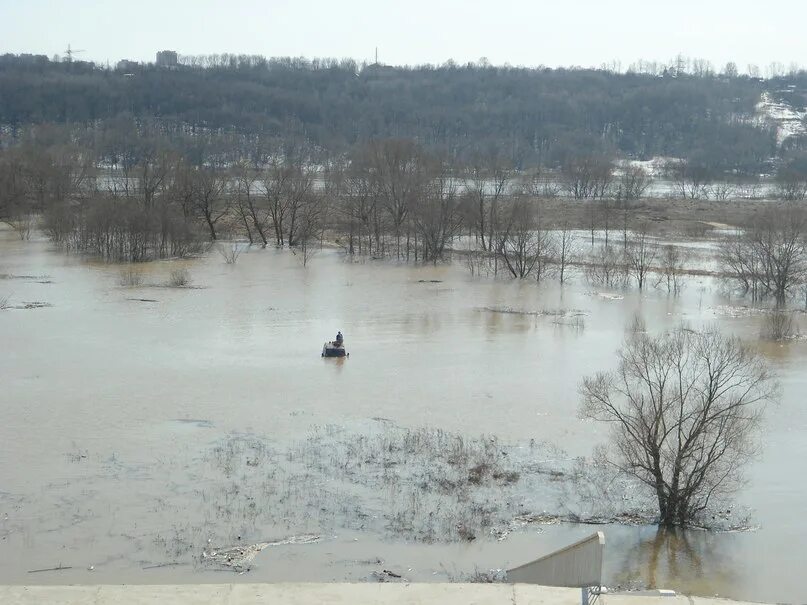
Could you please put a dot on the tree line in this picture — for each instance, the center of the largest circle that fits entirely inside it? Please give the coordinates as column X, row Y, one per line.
column 539, row 115
column 132, row 192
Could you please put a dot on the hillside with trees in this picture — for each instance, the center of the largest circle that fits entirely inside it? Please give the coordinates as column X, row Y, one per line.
column 531, row 116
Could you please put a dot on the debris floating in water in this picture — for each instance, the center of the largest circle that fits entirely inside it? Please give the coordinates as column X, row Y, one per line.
column 60, row 567
column 239, row 558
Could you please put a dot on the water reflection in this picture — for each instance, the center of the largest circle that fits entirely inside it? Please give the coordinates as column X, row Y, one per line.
column 692, row 562
column 337, row 362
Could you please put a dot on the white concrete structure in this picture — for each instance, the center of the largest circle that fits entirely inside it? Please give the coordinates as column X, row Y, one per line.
column 324, row 594
column 576, row 565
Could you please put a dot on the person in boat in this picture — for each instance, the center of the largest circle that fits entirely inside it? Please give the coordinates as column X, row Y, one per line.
column 339, row 338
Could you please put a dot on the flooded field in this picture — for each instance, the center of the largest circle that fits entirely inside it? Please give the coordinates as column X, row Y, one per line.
column 147, row 429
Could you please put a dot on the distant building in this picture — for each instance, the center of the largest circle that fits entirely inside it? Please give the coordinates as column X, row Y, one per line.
column 378, row 70
column 167, row 58
column 126, row 65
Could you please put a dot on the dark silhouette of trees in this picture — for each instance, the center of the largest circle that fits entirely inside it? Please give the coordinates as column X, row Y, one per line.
column 534, row 116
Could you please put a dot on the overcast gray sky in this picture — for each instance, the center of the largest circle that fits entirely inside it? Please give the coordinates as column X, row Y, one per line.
column 520, row 32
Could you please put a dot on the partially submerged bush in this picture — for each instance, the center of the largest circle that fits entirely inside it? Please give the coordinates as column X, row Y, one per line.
column 607, row 267
column 230, row 253
column 130, row 277
column 118, row 231
column 179, row 278
column 778, row 325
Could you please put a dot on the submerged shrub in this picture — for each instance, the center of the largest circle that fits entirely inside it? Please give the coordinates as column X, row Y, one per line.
column 179, row 278
column 130, row 277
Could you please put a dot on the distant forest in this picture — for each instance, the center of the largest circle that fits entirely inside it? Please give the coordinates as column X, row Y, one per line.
column 531, row 116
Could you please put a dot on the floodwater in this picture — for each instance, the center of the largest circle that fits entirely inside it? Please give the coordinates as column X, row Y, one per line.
column 112, row 397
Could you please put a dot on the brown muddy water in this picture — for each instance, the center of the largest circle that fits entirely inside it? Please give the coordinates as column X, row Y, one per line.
column 137, row 423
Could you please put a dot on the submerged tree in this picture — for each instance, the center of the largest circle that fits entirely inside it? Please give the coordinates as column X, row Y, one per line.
column 640, row 254
column 524, row 246
column 769, row 257
column 486, row 182
column 683, row 407
column 436, row 215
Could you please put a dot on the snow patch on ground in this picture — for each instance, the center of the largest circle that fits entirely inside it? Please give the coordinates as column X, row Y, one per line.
column 788, row 121
column 655, row 167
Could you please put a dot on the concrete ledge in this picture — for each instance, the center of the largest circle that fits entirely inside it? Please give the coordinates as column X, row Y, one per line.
column 325, row 594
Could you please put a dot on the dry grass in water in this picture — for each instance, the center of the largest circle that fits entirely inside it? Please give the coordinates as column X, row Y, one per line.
column 779, row 325
column 424, row 485
column 179, row 278
column 223, row 505
column 130, row 277
column 229, row 253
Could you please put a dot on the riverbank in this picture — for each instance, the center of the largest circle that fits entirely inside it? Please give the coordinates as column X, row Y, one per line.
column 327, row 594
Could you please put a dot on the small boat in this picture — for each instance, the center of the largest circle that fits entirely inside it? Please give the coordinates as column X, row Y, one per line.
column 333, row 348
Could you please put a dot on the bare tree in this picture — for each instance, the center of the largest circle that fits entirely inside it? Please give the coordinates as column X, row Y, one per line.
column 210, row 201
column 721, row 191
column 524, row 246
column 683, row 408
column 275, row 184
column 311, row 217
column 181, row 187
column 741, row 263
column 16, row 208
column 607, row 267
column 486, row 182
column 692, row 178
column 565, row 249
column 640, row 255
column 13, row 190
column 437, row 215
column 605, row 213
column 299, row 198
column 634, row 182
column 21, row 219
column 359, row 204
column 588, row 176
column 398, row 168
column 671, row 261
column 253, row 215
column 151, row 171
column 778, row 325
column 769, row 257
column 791, row 182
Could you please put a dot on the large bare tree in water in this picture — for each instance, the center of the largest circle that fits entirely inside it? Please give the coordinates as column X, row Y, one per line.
column 683, row 407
